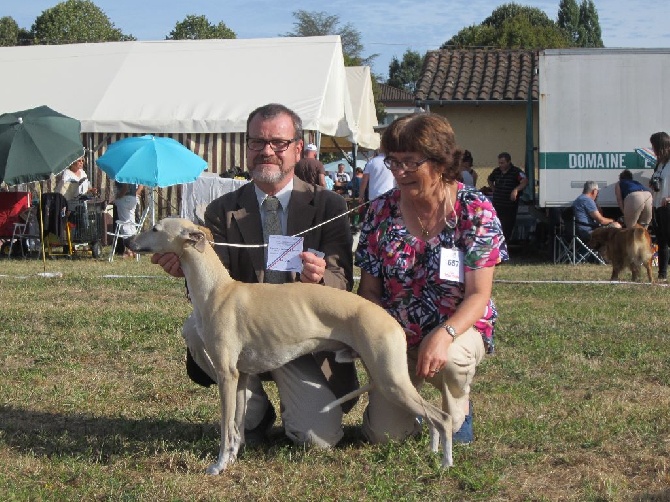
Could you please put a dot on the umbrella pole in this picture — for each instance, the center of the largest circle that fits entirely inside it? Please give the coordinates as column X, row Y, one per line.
column 153, row 208
column 44, row 258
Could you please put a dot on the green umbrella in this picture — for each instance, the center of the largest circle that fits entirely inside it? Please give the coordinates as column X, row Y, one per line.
column 36, row 143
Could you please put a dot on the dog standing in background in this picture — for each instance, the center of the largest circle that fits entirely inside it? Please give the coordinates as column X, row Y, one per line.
column 624, row 247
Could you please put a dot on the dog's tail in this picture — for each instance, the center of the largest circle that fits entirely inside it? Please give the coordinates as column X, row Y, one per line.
column 355, row 393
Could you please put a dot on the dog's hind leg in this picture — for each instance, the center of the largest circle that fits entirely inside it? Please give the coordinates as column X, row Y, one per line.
column 231, row 437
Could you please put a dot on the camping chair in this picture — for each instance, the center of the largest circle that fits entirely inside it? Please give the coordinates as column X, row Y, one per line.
column 568, row 246
column 118, row 227
column 24, row 231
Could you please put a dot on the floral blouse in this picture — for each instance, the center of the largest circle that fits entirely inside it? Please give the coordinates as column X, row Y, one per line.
column 409, row 267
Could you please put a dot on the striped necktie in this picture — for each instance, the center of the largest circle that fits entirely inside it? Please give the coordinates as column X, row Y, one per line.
column 272, row 226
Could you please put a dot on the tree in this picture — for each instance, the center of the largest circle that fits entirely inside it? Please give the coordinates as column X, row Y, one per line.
column 199, row 28
column 405, row 74
column 512, row 26
column 568, row 18
column 9, row 32
column 590, row 34
column 75, row 21
column 314, row 24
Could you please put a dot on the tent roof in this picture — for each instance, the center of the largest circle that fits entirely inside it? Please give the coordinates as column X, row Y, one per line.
column 364, row 113
column 174, row 86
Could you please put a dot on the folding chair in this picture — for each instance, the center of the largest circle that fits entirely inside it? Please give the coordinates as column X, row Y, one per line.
column 24, row 232
column 119, row 225
column 568, row 246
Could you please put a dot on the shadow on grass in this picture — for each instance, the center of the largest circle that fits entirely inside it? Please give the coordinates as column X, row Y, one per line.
column 57, row 434
column 44, row 434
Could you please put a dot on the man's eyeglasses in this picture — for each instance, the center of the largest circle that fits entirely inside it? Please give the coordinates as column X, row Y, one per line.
column 277, row 145
column 409, row 167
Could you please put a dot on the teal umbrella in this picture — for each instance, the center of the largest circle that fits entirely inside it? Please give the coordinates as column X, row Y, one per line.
column 37, row 143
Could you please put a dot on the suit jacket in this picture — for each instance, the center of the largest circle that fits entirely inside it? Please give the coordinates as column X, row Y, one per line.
column 235, row 218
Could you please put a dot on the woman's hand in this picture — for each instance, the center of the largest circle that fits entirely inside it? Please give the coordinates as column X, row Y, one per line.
column 433, row 353
column 170, row 263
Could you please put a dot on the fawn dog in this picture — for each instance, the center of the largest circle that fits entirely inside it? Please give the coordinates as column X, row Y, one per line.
column 624, row 247
column 253, row 328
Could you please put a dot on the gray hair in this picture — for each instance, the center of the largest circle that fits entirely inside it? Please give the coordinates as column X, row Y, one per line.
column 589, row 187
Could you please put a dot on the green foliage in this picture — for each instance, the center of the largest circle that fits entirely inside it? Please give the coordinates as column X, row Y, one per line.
column 512, row 10
column 512, row 26
column 9, row 32
column 590, row 34
column 75, row 21
column 199, row 28
column 568, row 18
column 405, row 74
column 580, row 23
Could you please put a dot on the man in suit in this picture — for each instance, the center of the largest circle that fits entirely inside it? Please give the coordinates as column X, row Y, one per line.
column 274, row 145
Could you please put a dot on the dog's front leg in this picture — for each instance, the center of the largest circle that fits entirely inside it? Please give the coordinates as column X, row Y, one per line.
column 241, row 407
column 230, row 434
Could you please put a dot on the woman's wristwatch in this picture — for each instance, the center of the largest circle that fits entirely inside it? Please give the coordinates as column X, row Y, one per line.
column 450, row 329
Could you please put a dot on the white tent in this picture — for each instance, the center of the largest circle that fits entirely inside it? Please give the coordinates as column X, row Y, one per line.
column 359, row 82
column 189, row 86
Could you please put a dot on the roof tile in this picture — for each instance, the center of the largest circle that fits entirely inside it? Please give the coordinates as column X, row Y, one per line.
column 478, row 75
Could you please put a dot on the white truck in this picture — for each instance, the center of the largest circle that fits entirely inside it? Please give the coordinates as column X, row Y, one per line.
column 597, row 106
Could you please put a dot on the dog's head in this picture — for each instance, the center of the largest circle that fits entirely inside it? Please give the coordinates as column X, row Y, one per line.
column 601, row 237
column 170, row 235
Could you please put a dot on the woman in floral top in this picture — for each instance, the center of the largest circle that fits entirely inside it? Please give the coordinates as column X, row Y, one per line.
column 427, row 252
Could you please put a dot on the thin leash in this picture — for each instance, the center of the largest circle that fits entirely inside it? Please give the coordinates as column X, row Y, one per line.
column 227, row 244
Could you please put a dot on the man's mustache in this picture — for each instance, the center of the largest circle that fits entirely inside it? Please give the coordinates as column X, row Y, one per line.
column 266, row 160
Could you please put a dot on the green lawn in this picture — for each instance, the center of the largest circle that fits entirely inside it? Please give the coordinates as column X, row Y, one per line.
column 95, row 403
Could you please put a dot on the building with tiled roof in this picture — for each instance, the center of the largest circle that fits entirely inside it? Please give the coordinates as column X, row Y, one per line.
column 484, row 94
column 397, row 103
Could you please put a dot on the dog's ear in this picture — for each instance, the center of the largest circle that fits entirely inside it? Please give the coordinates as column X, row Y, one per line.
column 198, row 239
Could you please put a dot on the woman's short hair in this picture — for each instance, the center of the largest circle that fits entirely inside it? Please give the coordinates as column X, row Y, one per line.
column 429, row 134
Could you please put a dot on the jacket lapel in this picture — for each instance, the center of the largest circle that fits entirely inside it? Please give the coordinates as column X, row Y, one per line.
column 248, row 220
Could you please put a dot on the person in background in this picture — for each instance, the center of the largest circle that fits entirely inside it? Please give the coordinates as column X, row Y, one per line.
column 74, row 183
column 507, row 182
column 586, row 213
column 468, row 174
column 125, row 202
column 355, row 184
column 342, row 179
column 427, row 253
column 309, row 168
column 307, row 384
column 377, row 179
column 660, row 143
column 634, row 200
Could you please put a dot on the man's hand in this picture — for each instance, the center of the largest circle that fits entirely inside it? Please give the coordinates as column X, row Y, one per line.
column 169, row 262
column 513, row 195
column 313, row 268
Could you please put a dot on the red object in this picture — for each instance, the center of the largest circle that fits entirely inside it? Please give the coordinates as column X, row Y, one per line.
column 11, row 206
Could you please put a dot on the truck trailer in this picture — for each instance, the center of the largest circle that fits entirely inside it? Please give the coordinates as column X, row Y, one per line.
column 596, row 108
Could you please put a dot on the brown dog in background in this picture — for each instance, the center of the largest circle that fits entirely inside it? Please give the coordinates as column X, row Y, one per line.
column 624, row 247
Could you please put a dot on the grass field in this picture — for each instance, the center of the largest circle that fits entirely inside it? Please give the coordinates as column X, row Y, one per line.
column 95, row 403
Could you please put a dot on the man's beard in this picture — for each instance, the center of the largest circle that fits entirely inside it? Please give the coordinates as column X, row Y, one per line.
column 263, row 175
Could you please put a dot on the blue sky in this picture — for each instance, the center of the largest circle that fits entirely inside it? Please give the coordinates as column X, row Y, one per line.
column 388, row 27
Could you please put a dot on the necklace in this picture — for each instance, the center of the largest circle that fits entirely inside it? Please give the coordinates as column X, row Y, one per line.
column 425, row 232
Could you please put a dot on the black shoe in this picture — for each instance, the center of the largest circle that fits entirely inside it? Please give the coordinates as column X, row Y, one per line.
column 196, row 373
column 259, row 434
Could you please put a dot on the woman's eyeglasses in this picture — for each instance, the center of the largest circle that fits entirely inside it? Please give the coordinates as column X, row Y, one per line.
column 409, row 167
